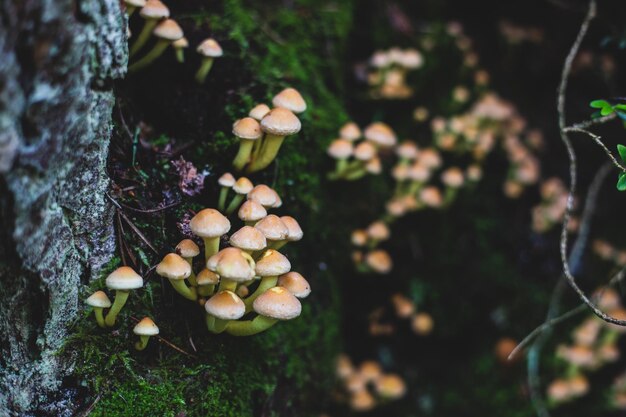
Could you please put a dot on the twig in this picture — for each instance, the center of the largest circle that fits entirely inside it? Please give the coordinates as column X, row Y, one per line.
column 597, row 139
column 154, row 210
column 137, row 231
column 592, row 122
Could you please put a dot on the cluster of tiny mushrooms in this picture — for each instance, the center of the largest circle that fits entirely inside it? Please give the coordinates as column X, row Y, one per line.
column 167, row 32
column 250, row 278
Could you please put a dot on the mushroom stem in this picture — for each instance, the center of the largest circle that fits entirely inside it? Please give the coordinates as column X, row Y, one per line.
column 192, row 276
column 449, row 196
column 154, row 53
column 227, row 285
column 414, row 187
column 269, row 150
column 99, row 317
column 250, row 327
column 204, row 69
column 235, row 203
column 120, row 299
column 182, row 288
column 219, row 325
column 222, row 200
column 143, row 37
column 276, row 244
column 211, row 246
column 180, row 55
column 243, row 155
column 130, row 10
column 265, row 284
column 206, row 290
column 142, row 342
column 210, row 322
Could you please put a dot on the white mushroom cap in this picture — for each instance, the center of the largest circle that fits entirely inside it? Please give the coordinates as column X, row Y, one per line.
column 146, row 327
column 168, row 30
column 225, row 305
column 248, row 238
column 226, row 180
column 243, row 186
column 135, row 3
column 98, row 299
column 232, row 263
column 154, row 9
column 209, row 223
column 380, row 134
column 264, row 195
column 124, row 278
column 251, row 211
column 364, row 151
column 173, row 266
column 295, row 231
column 290, row 99
column 273, row 227
column 340, row 149
column 277, row 303
column 259, row 111
column 281, row 122
column 272, row 263
column 247, row 128
column 210, row 48
column 350, row 131
column 206, row 277
column 295, row 283
column 187, row 248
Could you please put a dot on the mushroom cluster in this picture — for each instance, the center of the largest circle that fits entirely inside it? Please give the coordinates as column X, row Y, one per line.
column 165, row 32
column 262, row 133
column 388, row 70
column 366, row 386
column 248, row 286
column 355, row 157
column 594, row 345
column 403, row 308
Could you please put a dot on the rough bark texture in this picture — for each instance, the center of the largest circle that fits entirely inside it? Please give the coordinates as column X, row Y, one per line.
column 58, row 61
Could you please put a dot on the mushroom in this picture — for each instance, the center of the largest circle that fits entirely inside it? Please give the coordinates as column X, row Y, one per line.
column 221, row 308
column 248, row 130
column 380, row 134
column 152, row 12
column 274, row 229
column 188, row 249
column 390, row 386
column 295, row 283
column 377, row 232
column 422, row 324
column 176, row 269
column 362, row 401
column 210, row 225
column 269, row 267
column 209, row 49
column 350, row 131
column 290, row 99
column 248, row 239
column 233, row 265
column 131, row 5
column 265, row 196
column 166, row 32
column 341, row 150
column 144, row 329
column 294, row 233
column 251, row 212
column 206, row 282
column 275, row 304
column 277, row 124
column 379, row 260
column 242, row 187
column 259, row 111
column 99, row 301
column 226, row 182
column 179, row 46
column 122, row 280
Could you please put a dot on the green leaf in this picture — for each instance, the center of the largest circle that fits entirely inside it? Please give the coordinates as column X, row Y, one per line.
column 620, row 107
column 600, row 104
column 605, row 111
column 621, row 182
column 622, row 152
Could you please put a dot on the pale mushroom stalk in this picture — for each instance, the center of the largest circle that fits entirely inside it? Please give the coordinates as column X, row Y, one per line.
column 450, row 195
column 192, row 277
column 235, row 203
column 142, row 342
column 211, row 246
column 97, row 311
column 206, row 290
column 154, row 53
column 205, row 68
column 120, row 299
column 143, row 37
column 221, row 203
column 181, row 287
column 269, row 150
column 355, row 175
column 250, row 327
column 227, row 285
column 243, row 154
column 265, row 284
column 276, row 244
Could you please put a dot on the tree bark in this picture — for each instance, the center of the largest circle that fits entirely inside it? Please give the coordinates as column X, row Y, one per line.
column 58, row 61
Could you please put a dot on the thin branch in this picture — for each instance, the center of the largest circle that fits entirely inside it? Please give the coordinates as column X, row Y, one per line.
column 597, row 139
column 592, row 122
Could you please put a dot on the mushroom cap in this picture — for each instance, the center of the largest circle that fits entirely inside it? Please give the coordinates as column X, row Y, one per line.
column 280, row 122
column 135, row 3
column 225, row 305
column 370, row 370
column 187, row 248
column 295, row 284
column 407, row 150
column 181, row 43
column 206, row 277
column 374, row 166
column 233, row 264
column 247, row 128
column 98, row 299
column 173, row 266
column 390, row 386
column 350, row 131
column 380, row 134
column 290, row 99
column 277, row 303
column 154, row 9
column 259, row 111
column 295, row 231
column 364, row 151
column 248, row 238
column 272, row 263
column 243, row 186
column 242, row 291
column 359, row 237
column 453, row 177
column 264, row 195
column 379, row 260
column 210, row 48
column 146, row 327
column 168, row 30
column 362, row 400
column 273, row 227
column 209, row 223
column 226, row 180
column 340, row 149
column 378, row 231
column 124, row 278
column 251, row 211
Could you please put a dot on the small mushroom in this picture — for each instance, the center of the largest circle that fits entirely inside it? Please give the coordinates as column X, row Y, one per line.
column 380, row 134
column 226, row 182
column 206, row 282
column 210, row 225
column 269, row 267
column 350, row 131
column 277, row 124
column 132, row 5
column 248, row 239
column 379, row 260
column 144, row 329
column 241, row 188
column 341, row 150
column 274, row 229
column 209, row 49
column 390, row 386
column 179, row 46
column 122, row 280
column 221, row 308
column 265, row 196
column 248, row 131
column 166, row 32
column 153, row 12
column 188, row 249
column 176, row 270
column 295, row 283
column 290, row 99
column 294, row 232
column 233, row 265
column 99, row 301
column 251, row 212
column 259, row 111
